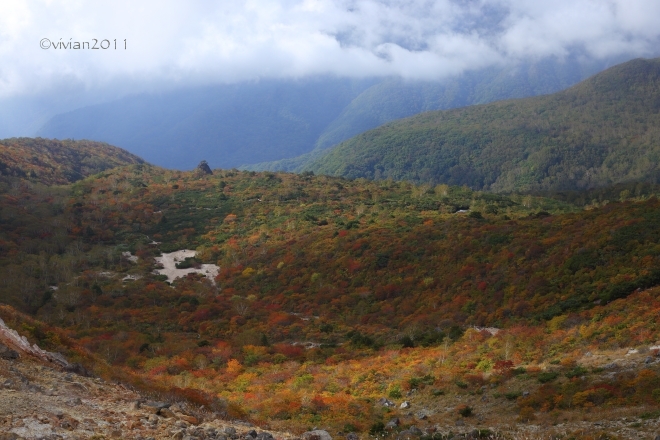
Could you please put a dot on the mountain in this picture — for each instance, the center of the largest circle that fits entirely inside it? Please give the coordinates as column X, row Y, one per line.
column 270, row 120
column 604, row 130
column 59, row 162
column 393, row 99
column 226, row 124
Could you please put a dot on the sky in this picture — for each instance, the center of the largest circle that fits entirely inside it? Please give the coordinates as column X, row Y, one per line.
column 164, row 44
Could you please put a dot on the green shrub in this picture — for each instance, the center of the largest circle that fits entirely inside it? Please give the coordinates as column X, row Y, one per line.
column 377, row 428
column 547, row 376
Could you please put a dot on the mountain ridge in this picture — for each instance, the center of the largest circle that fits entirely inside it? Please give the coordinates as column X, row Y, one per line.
column 51, row 161
column 599, row 132
column 236, row 124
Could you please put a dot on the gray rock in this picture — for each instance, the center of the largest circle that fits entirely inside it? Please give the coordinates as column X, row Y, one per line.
column 460, row 423
column 263, row 435
column 407, row 434
column 386, row 402
column 317, row 434
column 159, row 405
column 525, row 394
column 415, row 430
column 610, row 366
column 7, row 353
column 405, row 405
column 421, row 415
column 204, row 168
column 35, row 388
column 230, row 431
column 79, row 386
column 648, row 360
column 392, row 423
column 352, row 436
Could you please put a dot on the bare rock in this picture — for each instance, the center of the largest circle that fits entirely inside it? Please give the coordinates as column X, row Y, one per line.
column 7, row 353
column 166, row 412
column 317, row 434
column 190, row 419
column 386, row 402
column 393, row 423
column 203, row 168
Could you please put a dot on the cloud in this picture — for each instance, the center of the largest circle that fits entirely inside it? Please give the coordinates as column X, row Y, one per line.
column 170, row 43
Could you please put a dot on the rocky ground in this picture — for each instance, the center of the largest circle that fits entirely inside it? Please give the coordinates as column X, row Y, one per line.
column 43, row 397
column 40, row 401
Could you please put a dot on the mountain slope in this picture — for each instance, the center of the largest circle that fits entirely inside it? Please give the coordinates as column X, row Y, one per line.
column 601, row 131
column 269, row 120
column 393, row 99
column 59, row 162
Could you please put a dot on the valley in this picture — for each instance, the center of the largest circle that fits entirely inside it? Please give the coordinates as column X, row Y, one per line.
column 335, row 297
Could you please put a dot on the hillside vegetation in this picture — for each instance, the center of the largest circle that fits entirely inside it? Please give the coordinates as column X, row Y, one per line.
column 602, row 131
column 335, row 293
column 49, row 161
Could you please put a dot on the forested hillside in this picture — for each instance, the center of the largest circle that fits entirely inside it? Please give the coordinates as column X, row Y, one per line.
column 51, row 161
column 602, row 131
column 335, row 293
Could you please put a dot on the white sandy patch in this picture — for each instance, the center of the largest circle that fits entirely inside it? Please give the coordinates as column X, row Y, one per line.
column 170, row 260
column 130, row 257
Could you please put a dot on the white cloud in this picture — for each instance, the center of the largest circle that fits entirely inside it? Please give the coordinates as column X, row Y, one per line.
column 171, row 43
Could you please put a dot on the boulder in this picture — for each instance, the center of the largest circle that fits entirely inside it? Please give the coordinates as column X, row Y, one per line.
column 203, row 168
column 392, row 423
column 77, row 369
column 405, row 405
column 190, row 419
column 7, row 353
column 166, row 412
column 317, row 434
column 385, row 402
